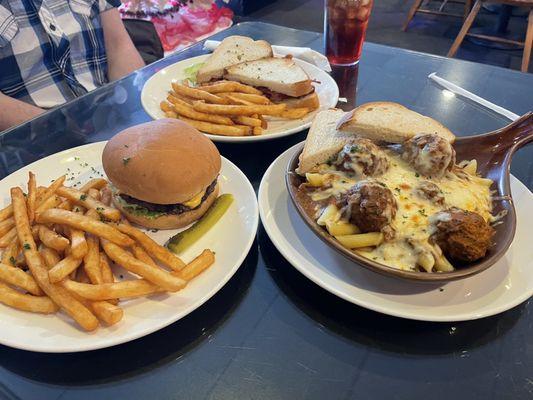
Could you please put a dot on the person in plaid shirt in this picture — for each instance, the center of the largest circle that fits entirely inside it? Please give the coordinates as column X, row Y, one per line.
column 53, row 51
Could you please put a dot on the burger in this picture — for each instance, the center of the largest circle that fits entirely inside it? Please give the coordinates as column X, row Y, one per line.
column 163, row 173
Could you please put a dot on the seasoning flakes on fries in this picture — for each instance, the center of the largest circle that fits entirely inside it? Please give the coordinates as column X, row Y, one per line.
column 225, row 108
column 58, row 242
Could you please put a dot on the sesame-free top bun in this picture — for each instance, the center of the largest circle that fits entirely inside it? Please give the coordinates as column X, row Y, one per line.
column 165, row 161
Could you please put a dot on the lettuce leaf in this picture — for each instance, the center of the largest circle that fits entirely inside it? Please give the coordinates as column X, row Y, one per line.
column 191, row 72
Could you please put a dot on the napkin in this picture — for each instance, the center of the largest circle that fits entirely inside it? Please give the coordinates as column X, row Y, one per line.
column 303, row 53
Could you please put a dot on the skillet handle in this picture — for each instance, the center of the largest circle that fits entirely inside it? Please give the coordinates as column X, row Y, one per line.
column 519, row 133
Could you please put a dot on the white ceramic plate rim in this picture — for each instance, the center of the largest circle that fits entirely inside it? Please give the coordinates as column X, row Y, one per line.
column 160, row 324
column 316, row 273
column 316, row 73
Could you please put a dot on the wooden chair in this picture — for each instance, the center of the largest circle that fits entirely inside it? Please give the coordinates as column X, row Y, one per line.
column 527, row 44
column 417, row 8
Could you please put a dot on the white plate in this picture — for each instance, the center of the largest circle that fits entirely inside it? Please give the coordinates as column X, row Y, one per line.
column 503, row 286
column 156, row 89
column 230, row 239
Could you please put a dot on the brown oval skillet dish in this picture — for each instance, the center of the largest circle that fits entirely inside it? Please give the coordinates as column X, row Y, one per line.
column 493, row 152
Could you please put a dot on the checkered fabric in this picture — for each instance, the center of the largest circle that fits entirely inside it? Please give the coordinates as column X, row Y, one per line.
column 52, row 51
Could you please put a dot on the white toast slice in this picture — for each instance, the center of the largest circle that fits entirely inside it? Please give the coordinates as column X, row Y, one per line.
column 281, row 75
column 323, row 140
column 390, row 122
column 232, row 50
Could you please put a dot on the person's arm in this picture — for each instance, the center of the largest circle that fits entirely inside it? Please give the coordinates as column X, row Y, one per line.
column 14, row 112
column 122, row 56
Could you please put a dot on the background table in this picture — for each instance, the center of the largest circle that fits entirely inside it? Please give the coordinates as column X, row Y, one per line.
column 270, row 333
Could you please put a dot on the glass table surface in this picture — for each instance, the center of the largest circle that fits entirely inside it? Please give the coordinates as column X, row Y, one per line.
column 270, row 333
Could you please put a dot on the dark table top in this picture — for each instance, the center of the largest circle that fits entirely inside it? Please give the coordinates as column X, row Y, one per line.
column 270, row 333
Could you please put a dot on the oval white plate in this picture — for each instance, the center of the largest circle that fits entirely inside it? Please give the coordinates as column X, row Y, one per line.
column 230, row 239
column 503, row 286
column 156, row 90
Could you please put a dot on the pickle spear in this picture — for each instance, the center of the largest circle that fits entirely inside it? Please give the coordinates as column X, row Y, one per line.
column 183, row 240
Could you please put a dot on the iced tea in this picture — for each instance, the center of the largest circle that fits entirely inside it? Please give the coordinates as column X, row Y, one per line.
column 345, row 23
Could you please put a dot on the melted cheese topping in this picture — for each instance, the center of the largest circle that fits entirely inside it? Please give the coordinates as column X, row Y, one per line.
column 411, row 223
column 195, row 201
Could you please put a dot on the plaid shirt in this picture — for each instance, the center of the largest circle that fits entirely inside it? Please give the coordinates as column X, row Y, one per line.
column 52, row 51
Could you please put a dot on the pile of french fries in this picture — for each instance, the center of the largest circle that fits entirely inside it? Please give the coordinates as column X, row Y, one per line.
column 225, row 108
column 61, row 247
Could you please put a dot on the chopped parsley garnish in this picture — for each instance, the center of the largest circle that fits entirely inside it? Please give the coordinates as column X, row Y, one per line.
column 12, row 260
column 26, row 246
column 126, row 160
column 417, row 174
column 397, row 189
column 99, row 208
column 422, row 212
column 83, row 197
column 126, row 146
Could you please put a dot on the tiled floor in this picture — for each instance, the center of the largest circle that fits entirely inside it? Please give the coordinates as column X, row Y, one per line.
column 426, row 33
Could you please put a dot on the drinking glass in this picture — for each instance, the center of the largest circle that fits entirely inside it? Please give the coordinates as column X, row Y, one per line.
column 345, row 23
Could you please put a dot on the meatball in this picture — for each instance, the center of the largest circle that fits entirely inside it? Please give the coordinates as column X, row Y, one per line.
column 371, row 206
column 429, row 191
column 363, row 158
column 462, row 235
column 429, row 154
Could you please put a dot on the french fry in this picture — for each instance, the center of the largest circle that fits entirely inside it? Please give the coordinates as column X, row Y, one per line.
column 142, row 255
column 257, row 130
column 108, row 313
column 60, row 296
column 105, row 195
column 295, row 113
column 224, row 130
column 159, row 252
column 198, row 265
column 51, row 239
column 235, row 100
column 49, row 256
column 189, row 112
column 249, row 121
column 10, row 254
column 6, row 225
column 51, row 202
column 252, row 98
column 155, row 275
column 32, row 196
column 94, row 193
column 274, row 109
column 228, row 86
column 91, row 261
column 107, row 272
column 84, row 223
column 48, row 192
column 171, row 114
column 166, row 107
column 197, row 94
column 17, row 277
column 174, row 98
column 109, row 291
column 26, row 302
column 86, row 201
column 6, row 212
column 95, row 183
column 63, row 268
column 264, row 123
column 78, row 244
column 8, row 237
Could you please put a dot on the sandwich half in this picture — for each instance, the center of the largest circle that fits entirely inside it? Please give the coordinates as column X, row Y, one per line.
column 280, row 79
column 390, row 122
column 232, row 50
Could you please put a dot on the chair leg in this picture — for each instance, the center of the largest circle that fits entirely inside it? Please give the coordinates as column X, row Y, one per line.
column 528, row 43
column 468, row 7
column 464, row 30
column 411, row 14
